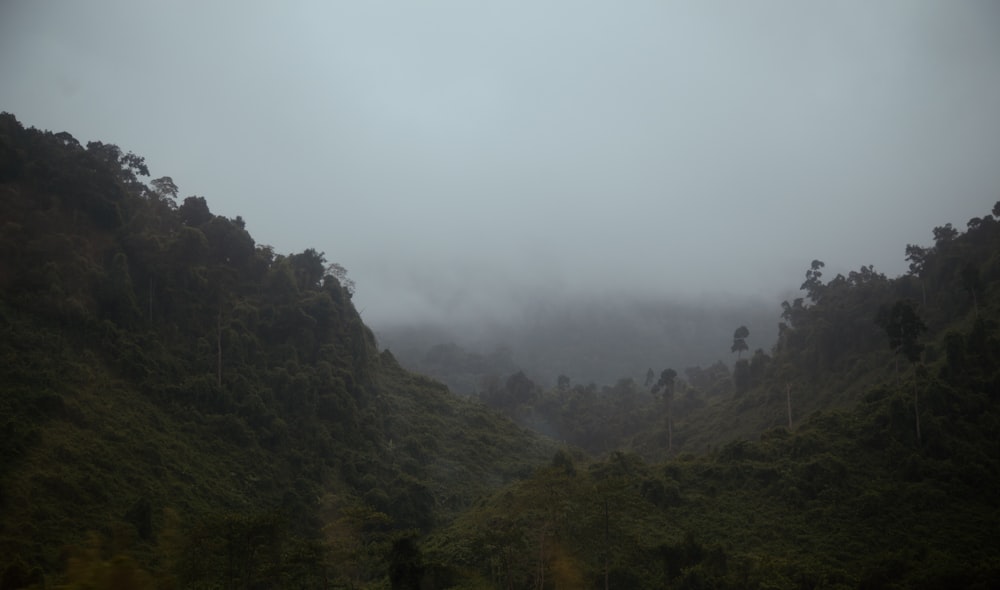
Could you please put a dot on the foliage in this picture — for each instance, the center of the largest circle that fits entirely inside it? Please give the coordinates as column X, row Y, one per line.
column 853, row 497
column 167, row 376
column 185, row 408
column 740, row 340
column 903, row 326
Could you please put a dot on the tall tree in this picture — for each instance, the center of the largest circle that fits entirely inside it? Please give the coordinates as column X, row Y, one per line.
column 944, row 234
column 917, row 258
column 973, row 283
column 740, row 341
column 903, row 326
column 813, row 286
column 666, row 383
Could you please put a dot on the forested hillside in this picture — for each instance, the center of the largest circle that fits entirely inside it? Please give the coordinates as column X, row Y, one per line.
column 182, row 407
column 197, row 400
column 835, row 344
column 861, row 451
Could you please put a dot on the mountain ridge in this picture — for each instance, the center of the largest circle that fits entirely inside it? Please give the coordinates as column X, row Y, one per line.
column 182, row 407
column 169, row 379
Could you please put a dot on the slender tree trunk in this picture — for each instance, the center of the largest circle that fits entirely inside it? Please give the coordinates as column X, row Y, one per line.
column 916, row 410
column 788, row 397
column 150, row 300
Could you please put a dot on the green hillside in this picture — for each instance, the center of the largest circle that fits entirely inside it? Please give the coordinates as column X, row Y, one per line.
column 862, row 451
column 831, row 352
column 181, row 407
column 196, row 400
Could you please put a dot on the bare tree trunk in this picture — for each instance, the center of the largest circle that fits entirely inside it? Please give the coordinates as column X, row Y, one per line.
column 916, row 410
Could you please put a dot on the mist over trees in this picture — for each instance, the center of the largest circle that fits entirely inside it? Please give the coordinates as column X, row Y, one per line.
column 596, row 342
column 183, row 407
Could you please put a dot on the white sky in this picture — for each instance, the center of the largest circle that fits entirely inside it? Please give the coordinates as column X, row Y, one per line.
column 464, row 156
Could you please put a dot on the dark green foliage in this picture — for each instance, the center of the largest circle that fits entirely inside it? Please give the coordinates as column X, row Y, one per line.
column 813, row 285
column 854, row 496
column 825, row 506
column 184, row 408
column 903, row 327
column 192, row 397
column 666, row 383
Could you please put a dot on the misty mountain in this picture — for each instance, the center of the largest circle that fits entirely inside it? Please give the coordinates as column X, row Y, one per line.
column 595, row 341
column 860, row 452
column 182, row 407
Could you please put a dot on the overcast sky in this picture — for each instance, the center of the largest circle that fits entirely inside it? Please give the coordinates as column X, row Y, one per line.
column 461, row 155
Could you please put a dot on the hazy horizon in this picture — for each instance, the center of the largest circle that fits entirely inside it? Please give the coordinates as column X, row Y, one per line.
column 465, row 161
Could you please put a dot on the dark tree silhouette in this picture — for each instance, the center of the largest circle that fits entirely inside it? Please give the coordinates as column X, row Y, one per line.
column 740, row 341
column 944, row 234
column 973, row 283
column 917, row 258
column 903, row 326
column 813, row 286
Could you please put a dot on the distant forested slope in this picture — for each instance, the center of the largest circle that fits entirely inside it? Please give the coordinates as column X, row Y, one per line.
column 862, row 451
column 599, row 340
column 834, row 345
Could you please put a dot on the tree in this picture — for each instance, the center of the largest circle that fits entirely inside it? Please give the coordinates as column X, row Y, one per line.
column 973, row 283
column 742, row 380
column 666, row 383
column 127, row 167
column 338, row 272
column 164, row 188
column 308, row 268
column 944, row 234
column 740, row 341
column 194, row 212
column 649, row 377
column 903, row 326
column 758, row 365
column 917, row 257
column 813, row 286
column 562, row 382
